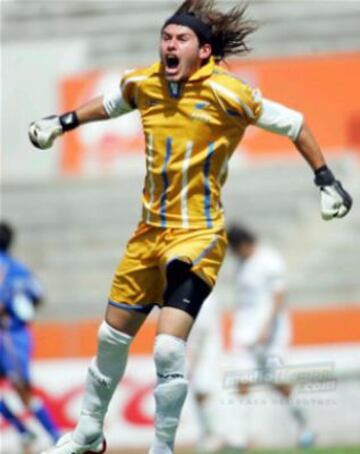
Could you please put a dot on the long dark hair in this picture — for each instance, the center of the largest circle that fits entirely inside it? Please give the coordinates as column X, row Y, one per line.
column 229, row 29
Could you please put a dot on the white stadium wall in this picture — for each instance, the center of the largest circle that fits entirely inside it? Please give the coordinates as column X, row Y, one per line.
column 29, row 84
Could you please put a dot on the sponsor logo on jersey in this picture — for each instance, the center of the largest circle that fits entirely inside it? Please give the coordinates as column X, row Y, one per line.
column 199, row 114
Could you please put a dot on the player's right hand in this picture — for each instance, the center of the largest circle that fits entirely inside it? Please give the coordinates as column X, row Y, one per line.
column 42, row 133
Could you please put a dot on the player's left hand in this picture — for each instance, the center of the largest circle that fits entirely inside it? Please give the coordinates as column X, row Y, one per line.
column 335, row 201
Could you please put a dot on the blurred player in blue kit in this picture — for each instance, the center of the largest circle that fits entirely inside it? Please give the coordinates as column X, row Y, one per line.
column 20, row 295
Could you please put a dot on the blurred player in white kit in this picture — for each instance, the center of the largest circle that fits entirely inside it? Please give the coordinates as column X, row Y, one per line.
column 261, row 331
column 205, row 348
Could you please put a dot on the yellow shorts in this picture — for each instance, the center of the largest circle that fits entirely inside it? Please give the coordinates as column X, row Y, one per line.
column 140, row 278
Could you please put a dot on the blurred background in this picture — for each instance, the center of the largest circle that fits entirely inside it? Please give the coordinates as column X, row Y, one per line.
column 74, row 207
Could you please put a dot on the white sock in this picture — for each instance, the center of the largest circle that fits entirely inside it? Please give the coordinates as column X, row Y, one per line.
column 160, row 447
column 103, row 376
column 170, row 391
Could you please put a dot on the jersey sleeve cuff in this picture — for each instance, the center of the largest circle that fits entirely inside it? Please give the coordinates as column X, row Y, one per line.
column 114, row 103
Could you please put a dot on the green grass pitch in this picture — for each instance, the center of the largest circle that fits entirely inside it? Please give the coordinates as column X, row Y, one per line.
column 327, row 450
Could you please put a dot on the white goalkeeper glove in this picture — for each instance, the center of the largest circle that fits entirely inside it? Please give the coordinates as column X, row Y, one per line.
column 335, row 201
column 42, row 133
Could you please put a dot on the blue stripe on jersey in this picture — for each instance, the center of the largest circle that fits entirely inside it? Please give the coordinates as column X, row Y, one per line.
column 165, row 181
column 207, row 200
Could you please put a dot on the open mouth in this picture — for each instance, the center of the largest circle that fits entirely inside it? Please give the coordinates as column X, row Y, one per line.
column 172, row 62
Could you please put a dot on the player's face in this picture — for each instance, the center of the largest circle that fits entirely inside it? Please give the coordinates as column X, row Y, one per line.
column 180, row 52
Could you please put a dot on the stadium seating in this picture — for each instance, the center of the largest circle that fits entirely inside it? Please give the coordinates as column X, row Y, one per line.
column 115, row 31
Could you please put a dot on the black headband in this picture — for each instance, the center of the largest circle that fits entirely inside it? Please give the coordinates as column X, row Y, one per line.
column 201, row 30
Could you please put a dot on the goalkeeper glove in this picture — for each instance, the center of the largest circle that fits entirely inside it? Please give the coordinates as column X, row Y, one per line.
column 335, row 201
column 42, row 133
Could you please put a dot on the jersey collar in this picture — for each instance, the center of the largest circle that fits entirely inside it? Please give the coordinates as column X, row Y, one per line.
column 202, row 73
column 175, row 89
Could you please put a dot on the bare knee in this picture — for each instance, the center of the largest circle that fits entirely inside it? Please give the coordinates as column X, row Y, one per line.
column 128, row 322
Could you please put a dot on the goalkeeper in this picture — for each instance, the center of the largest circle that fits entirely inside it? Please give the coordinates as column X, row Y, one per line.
column 194, row 114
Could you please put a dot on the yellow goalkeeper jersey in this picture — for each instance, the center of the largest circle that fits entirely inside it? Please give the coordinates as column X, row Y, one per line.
column 191, row 131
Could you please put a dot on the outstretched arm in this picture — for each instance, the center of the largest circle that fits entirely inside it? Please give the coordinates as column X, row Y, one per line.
column 309, row 148
column 42, row 133
column 335, row 201
column 93, row 110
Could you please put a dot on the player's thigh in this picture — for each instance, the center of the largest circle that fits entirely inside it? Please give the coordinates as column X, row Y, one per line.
column 191, row 262
column 183, row 298
column 135, row 290
column 203, row 249
column 137, row 283
column 175, row 322
column 127, row 321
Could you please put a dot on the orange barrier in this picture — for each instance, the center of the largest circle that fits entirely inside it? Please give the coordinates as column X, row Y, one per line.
column 313, row 327
column 324, row 88
column 326, row 326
